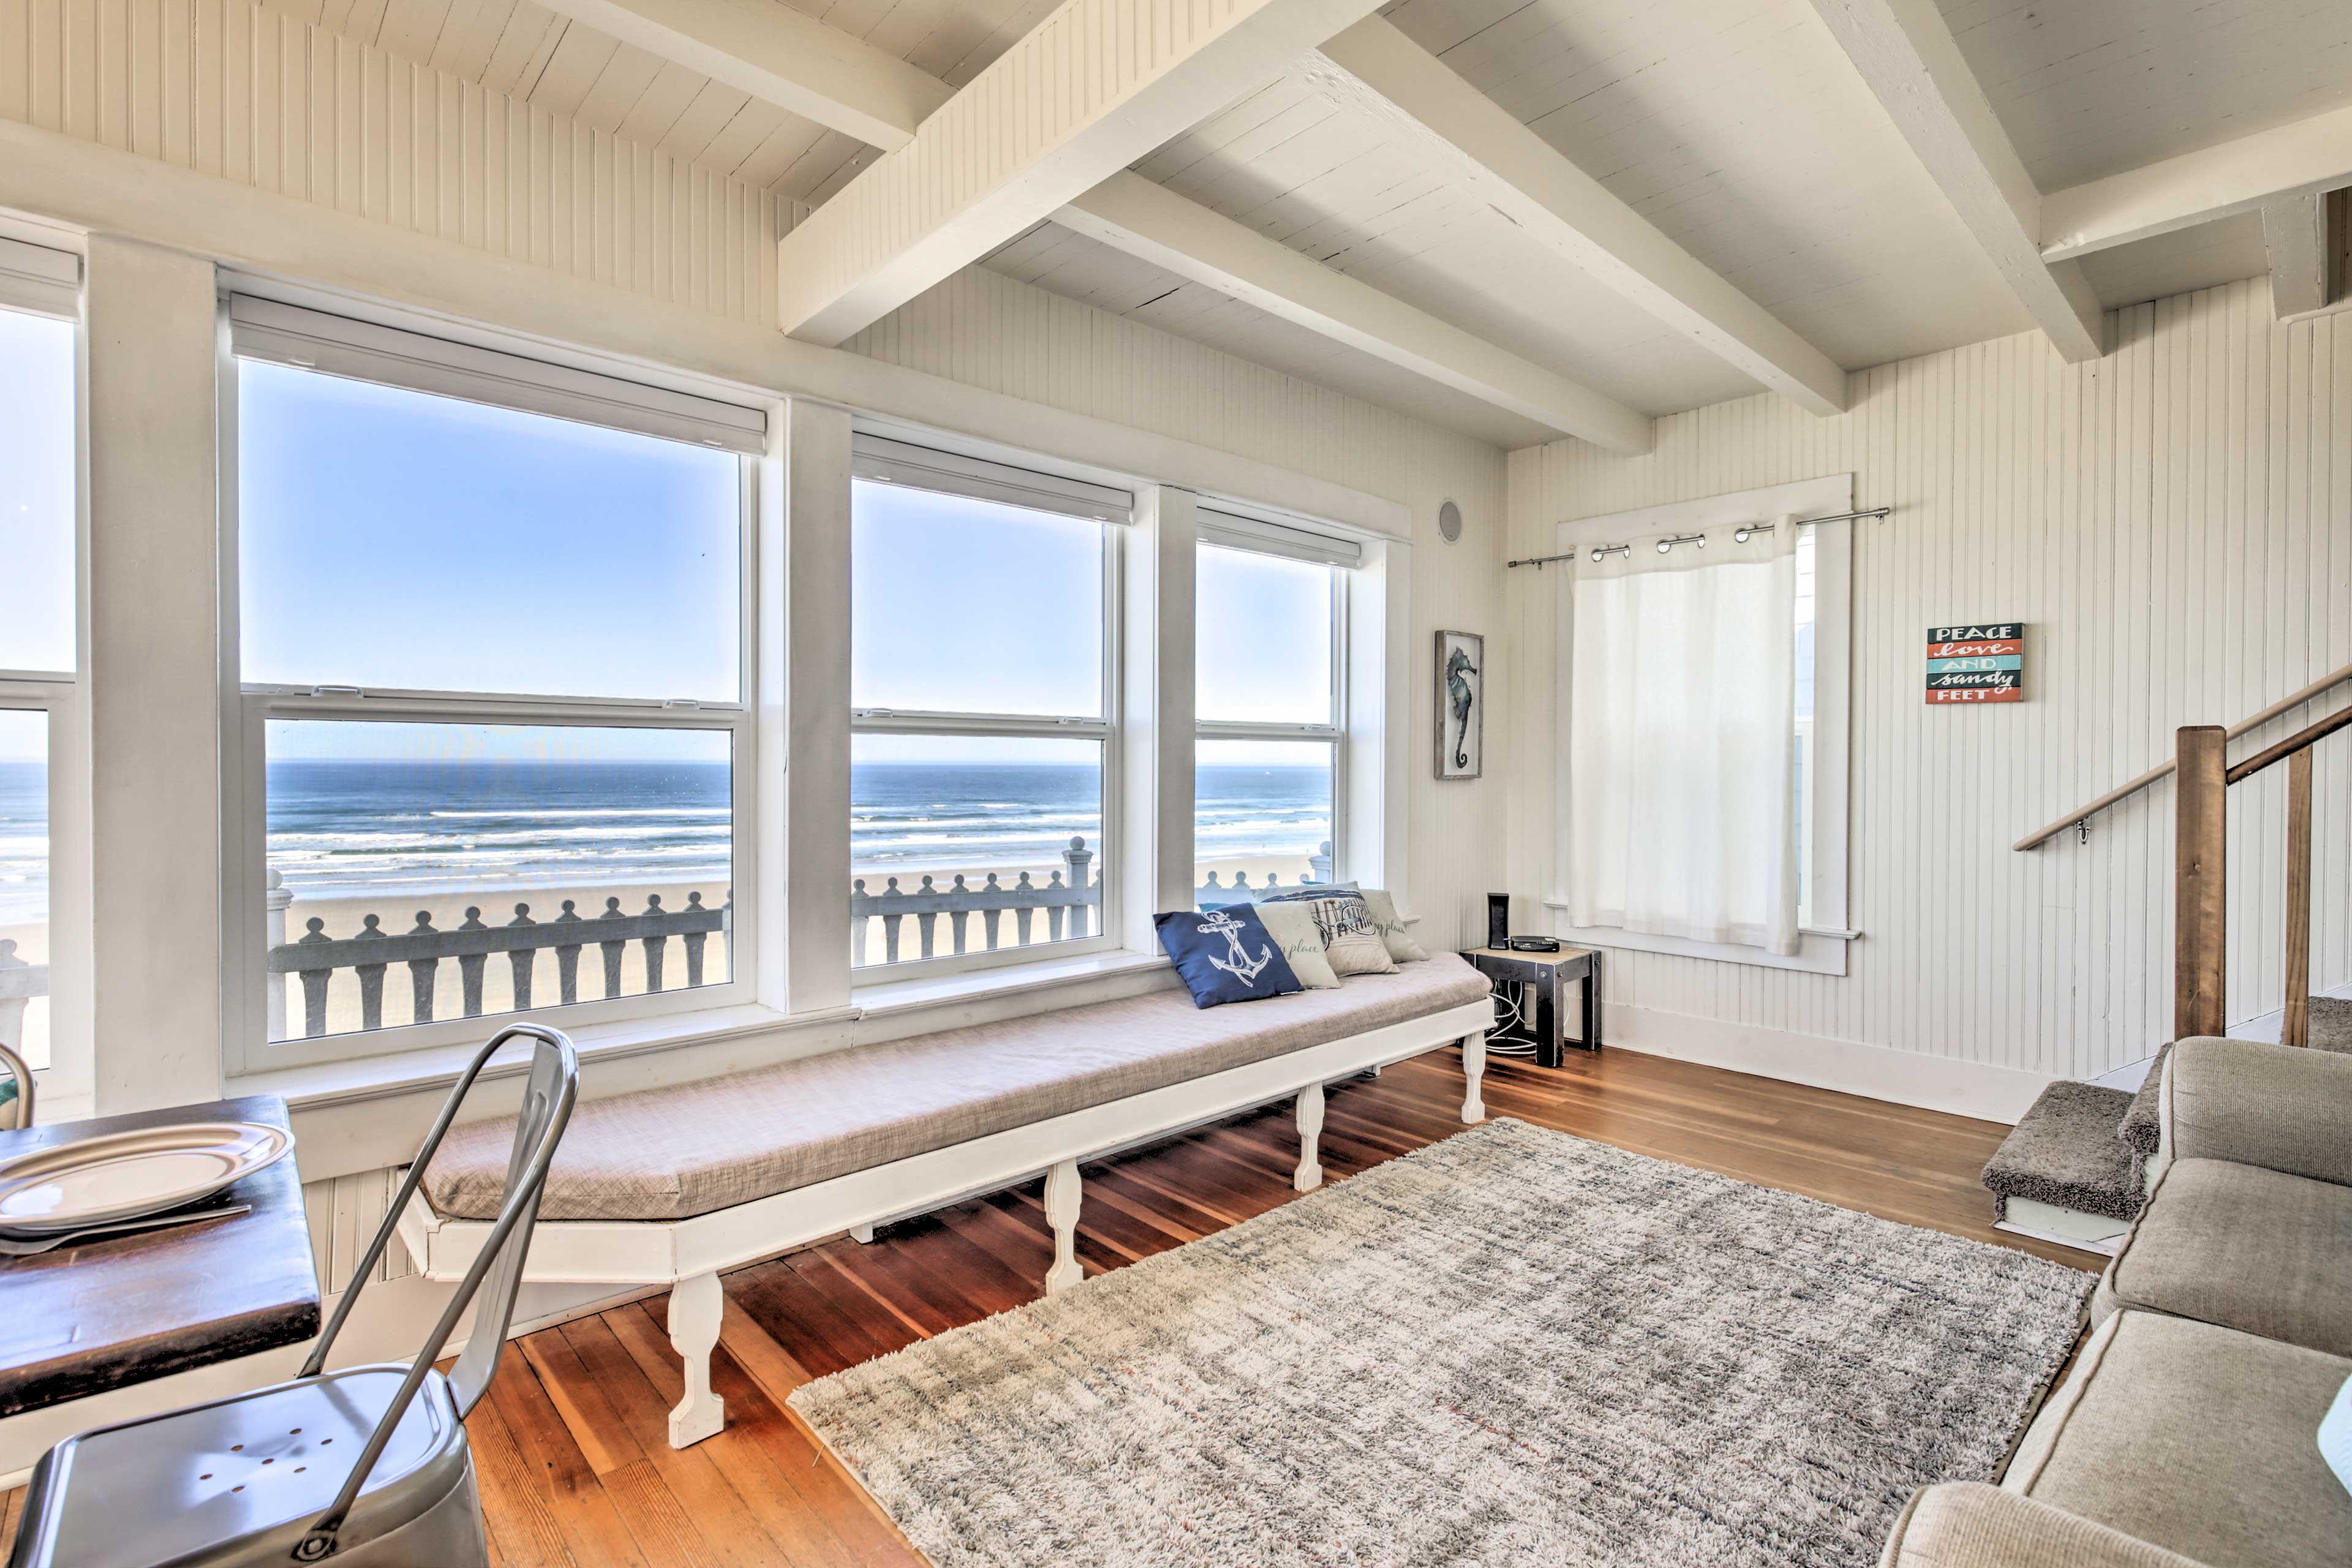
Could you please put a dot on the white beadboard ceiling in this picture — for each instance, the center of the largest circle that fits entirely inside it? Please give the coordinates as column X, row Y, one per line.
column 1737, row 127
column 2086, row 89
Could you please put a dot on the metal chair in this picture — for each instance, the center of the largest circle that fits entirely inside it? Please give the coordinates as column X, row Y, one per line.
column 368, row 1466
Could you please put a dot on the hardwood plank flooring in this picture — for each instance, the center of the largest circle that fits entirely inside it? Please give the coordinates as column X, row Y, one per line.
column 573, row 1444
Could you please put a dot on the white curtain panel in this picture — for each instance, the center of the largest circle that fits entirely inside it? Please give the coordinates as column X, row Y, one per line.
column 1681, row 793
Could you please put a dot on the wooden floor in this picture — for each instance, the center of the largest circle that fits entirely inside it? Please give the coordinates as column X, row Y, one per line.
column 575, row 1465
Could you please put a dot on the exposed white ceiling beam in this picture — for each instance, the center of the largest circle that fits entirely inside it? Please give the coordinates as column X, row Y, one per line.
column 1096, row 85
column 2212, row 183
column 1375, row 67
column 1908, row 60
column 1191, row 241
column 778, row 55
column 2295, row 232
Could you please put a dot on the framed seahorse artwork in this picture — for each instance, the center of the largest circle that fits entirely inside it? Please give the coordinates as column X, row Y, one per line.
column 1461, row 705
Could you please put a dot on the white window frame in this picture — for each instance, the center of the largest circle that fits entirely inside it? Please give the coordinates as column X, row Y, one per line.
column 879, row 460
column 1823, row 932
column 40, row 281
column 1229, row 530
column 268, row 331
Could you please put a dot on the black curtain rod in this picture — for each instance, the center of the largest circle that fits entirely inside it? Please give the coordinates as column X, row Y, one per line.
column 1743, row 526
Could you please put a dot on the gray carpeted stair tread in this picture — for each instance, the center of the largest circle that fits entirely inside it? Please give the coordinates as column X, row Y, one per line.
column 2331, row 1024
column 2064, row 1152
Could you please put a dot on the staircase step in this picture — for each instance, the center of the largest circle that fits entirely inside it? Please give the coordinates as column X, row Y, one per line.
column 2065, row 1152
column 2331, row 1024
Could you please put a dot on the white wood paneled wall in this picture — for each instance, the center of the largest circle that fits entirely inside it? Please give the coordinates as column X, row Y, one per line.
column 228, row 88
column 2174, row 525
column 343, row 1212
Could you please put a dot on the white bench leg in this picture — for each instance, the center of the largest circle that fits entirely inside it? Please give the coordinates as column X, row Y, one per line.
column 1310, row 1130
column 1474, row 1069
column 863, row 1234
column 696, row 1306
column 1062, row 1213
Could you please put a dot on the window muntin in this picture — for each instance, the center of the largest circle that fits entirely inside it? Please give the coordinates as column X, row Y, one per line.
column 961, row 606
column 1268, row 757
column 981, row 660
column 388, row 765
column 38, row 417
column 394, row 540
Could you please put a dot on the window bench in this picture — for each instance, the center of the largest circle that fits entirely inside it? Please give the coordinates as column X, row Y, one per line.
column 670, row 1187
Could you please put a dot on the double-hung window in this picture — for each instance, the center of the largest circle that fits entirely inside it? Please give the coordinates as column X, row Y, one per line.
column 42, row 722
column 1270, row 634
column 495, row 745
column 983, row 683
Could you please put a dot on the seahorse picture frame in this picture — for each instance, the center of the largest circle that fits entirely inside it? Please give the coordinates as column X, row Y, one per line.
column 1461, row 705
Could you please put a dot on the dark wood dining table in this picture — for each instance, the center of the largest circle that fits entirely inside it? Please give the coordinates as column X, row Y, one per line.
column 117, row 1310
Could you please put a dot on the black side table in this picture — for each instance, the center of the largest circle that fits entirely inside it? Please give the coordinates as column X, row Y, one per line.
column 1547, row 973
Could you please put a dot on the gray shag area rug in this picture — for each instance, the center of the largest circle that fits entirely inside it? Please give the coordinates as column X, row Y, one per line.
column 1514, row 1346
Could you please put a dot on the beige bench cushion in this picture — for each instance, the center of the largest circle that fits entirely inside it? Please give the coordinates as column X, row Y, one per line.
column 2242, row 1247
column 668, row 1153
column 2198, row 1439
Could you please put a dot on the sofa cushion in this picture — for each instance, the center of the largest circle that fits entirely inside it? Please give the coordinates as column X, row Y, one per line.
column 2279, row 1107
column 1967, row 1524
column 668, row 1153
column 2244, row 1247
column 2195, row 1438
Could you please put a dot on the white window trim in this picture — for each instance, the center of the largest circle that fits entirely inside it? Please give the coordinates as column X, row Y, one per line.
column 879, row 460
column 249, row 1052
column 1822, row 946
column 40, row 281
column 1216, row 531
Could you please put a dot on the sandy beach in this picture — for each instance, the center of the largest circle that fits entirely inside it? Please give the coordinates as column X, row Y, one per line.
column 342, row 917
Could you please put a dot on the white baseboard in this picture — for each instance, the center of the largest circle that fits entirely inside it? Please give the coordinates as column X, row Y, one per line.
column 1850, row 1066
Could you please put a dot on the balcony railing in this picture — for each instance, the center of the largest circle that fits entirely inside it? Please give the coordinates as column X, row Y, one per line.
column 1070, row 900
column 19, row 983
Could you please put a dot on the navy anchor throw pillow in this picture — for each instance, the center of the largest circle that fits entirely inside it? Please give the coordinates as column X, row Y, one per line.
column 1225, row 955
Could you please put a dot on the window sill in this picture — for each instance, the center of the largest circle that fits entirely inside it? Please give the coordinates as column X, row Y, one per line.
column 436, row 1069
column 1818, row 952
column 888, row 998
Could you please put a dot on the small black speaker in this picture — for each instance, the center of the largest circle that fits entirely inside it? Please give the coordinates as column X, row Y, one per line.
column 1498, row 919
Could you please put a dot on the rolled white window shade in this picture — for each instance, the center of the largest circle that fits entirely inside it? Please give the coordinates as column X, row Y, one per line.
column 1234, row 532
column 36, row 279
column 885, row 461
column 364, row 350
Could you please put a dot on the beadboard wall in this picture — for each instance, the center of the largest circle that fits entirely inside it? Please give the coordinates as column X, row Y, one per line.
column 2174, row 525
column 231, row 88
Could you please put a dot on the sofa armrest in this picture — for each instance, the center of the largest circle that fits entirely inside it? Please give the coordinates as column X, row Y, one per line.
column 1967, row 1524
column 2284, row 1108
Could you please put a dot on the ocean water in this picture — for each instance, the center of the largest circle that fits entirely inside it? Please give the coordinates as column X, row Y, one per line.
column 339, row 829
column 24, row 843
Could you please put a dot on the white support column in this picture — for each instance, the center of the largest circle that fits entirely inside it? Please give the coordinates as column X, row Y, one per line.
column 1473, row 1072
column 1156, row 714
column 1310, row 1132
column 154, row 656
column 697, row 1305
column 1062, row 1198
column 812, row 820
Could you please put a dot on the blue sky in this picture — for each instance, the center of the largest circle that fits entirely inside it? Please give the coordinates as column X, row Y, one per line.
column 393, row 539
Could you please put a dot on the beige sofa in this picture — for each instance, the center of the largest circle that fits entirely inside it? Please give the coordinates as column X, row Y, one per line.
column 2186, row 1434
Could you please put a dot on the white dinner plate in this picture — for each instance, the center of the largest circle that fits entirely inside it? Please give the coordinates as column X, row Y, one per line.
column 123, row 1176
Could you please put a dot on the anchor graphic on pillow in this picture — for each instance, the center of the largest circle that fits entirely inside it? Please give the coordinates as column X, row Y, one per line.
column 1242, row 967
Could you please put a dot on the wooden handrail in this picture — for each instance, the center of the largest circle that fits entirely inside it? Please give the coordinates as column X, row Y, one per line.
column 2300, row 740
column 2036, row 839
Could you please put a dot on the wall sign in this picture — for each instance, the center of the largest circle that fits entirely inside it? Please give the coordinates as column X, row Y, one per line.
column 1980, row 663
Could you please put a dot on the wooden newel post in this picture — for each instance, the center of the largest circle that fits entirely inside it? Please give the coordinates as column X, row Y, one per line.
column 2294, row 1029
column 2201, row 883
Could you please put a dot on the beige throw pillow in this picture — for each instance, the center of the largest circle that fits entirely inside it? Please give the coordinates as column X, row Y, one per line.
column 1393, row 934
column 1351, row 937
column 1300, row 942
